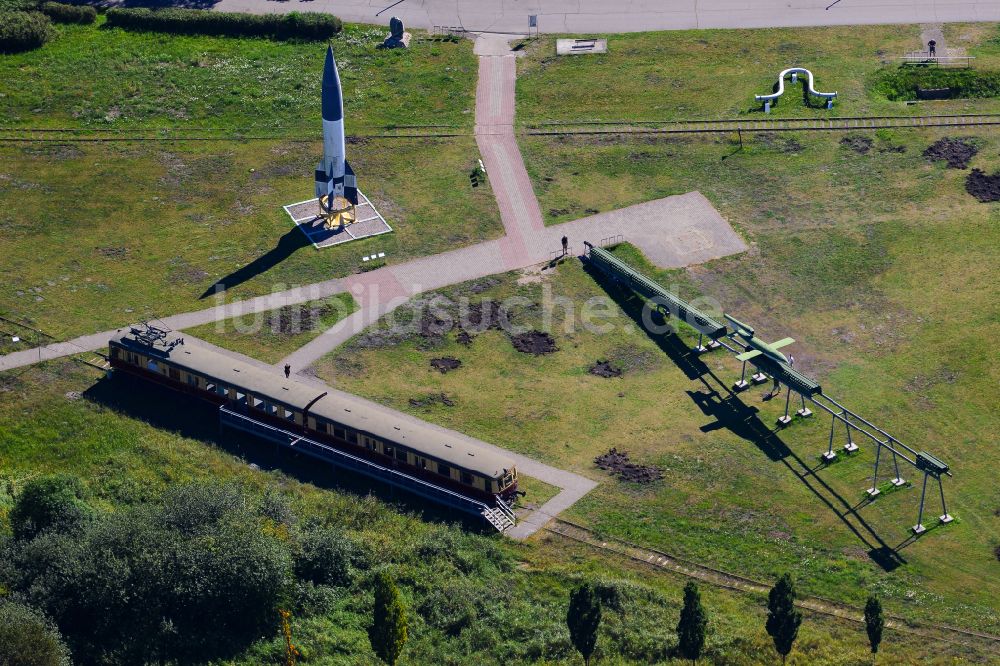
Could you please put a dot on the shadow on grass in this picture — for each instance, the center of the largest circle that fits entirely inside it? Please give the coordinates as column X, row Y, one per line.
column 287, row 245
column 190, row 417
column 715, row 399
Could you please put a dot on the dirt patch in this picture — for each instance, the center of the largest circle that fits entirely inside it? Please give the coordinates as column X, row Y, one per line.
column 997, row 553
column 984, row 187
column 535, row 343
column 956, row 152
column 463, row 338
column 604, row 369
column 445, row 364
column 113, row 252
column 859, row 144
column 618, row 463
column 780, row 142
column 432, row 326
column 483, row 316
column 293, row 319
column 431, row 400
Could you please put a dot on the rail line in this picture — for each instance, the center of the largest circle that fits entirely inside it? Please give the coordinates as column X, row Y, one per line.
column 720, row 578
column 546, row 128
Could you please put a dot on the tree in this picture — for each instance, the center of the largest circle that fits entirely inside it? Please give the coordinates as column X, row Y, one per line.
column 874, row 623
column 28, row 639
column 783, row 618
column 388, row 632
column 583, row 618
column 48, row 502
column 691, row 627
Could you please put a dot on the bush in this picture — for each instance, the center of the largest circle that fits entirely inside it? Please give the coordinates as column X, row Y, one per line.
column 23, row 31
column 61, row 13
column 295, row 25
column 903, row 83
column 49, row 502
column 28, row 638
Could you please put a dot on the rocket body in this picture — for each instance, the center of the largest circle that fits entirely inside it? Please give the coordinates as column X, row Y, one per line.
column 334, row 177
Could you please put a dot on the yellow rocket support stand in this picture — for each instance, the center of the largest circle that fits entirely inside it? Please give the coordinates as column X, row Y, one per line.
column 338, row 214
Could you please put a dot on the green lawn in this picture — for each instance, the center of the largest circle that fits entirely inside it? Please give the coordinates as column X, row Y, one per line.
column 93, row 77
column 99, row 235
column 703, row 74
column 470, row 597
column 880, row 265
column 271, row 336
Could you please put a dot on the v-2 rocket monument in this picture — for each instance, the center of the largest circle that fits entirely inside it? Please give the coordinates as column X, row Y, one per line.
column 336, row 186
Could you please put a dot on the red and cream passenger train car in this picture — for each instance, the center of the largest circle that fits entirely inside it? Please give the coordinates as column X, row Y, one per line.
column 323, row 414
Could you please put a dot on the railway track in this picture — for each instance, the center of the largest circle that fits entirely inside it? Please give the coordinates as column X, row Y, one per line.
column 719, row 578
column 549, row 128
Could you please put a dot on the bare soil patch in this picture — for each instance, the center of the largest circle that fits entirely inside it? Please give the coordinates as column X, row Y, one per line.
column 483, row 316
column 293, row 319
column 113, row 252
column 859, row 144
column 618, row 463
column 463, row 338
column 780, row 142
column 535, row 343
column 604, row 369
column 984, row 187
column 432, row 399
column 445, row 364
column 956, row 152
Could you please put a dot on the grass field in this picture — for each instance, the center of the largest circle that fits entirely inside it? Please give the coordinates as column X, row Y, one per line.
column 96, row 235
column 470, row 597
column 878, row 264
column 716, row 73
column 94, row 77
column 271, row 336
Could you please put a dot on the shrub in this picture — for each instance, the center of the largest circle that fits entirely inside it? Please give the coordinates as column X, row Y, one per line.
column 23, row 31
column 27, row 637
column 903, row 83
column 307, row 25
column 49, row 502
column 62, row 13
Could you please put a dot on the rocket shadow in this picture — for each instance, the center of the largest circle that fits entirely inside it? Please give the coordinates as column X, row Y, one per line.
column 287, row 245
column 715, row 399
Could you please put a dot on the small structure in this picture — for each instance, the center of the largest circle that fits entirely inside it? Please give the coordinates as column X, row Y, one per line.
column 581, row 46
column 794, row 72
column 398, row 38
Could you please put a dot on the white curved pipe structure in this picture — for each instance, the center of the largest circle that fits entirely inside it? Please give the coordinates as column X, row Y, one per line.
column 794, row 71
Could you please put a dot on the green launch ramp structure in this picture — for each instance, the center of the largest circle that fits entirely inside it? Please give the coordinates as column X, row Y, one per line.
column 741, row 340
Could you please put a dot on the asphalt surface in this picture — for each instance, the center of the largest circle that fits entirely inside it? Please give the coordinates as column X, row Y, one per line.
column 600, row 16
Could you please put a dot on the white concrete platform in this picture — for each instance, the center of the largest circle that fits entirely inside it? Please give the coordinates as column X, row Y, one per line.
column 305, row 214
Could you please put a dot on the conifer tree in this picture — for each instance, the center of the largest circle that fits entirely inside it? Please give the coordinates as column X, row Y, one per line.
column 583, row 618
column 388, row 632
column 874, row 623
column 783, row 618
column 691, row 626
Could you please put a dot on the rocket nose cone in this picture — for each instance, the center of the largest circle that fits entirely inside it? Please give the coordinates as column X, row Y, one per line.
column 329, row 68
column 333, row 104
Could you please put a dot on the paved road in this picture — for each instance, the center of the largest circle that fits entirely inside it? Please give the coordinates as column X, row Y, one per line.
column 601, row 16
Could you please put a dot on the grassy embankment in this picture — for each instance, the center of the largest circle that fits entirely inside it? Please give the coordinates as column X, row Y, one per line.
column 96, row 235
column 471, row 597
column 879, row 264
column 704, row 74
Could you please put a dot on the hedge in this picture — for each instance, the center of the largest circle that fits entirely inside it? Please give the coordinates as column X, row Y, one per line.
column 23, row 31
column 61, row 13
column 308, row 25
column 903, row 83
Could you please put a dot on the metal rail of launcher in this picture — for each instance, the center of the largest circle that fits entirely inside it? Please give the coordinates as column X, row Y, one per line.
column 806, row 387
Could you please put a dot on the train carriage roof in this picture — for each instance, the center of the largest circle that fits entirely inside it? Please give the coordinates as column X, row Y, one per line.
column 357, row 413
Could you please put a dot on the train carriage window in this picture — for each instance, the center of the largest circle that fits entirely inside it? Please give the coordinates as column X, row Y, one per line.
column 423, row 463
column 152, row 366
column 257, row 403
column 175, row 374
column 444, row 470
column 192, row 380
column 209, row 386
column 289, row 414
column 340, row 433
column 466, row 478
column 401, row 455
